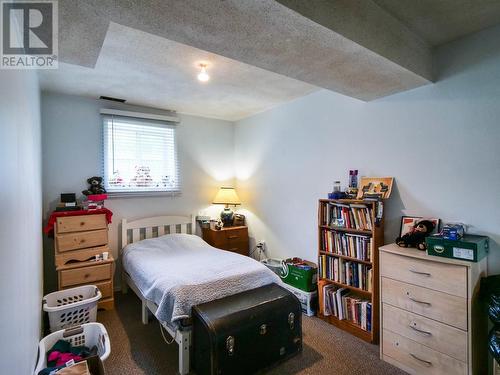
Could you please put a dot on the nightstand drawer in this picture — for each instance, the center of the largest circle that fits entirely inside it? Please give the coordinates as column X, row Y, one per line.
column 81, row 223
column 85, row 275
column 419, row 359
column 448, row 278
column 81, row 240
column 439, row 306
column 236, row 234
column 438, row 336
column 240, row 247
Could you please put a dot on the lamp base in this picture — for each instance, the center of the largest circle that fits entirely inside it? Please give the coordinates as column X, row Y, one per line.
column 227, row 216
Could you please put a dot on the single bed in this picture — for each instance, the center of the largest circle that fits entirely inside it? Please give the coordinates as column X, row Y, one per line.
column 171, row 269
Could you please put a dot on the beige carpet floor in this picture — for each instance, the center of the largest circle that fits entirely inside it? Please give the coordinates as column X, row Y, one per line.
column 140, row 349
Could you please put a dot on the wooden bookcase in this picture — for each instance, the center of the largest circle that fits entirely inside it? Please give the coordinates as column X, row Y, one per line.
column 377, row 239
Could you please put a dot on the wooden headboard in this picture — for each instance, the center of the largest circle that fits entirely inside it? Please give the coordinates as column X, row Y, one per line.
column 150, row 227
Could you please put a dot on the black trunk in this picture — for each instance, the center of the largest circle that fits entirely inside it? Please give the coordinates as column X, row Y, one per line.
column 246, row 332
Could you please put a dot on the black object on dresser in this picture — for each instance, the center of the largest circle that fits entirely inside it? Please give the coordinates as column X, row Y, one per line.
column 246, row 332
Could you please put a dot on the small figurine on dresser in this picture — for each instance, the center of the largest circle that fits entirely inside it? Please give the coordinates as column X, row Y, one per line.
column 416, row 236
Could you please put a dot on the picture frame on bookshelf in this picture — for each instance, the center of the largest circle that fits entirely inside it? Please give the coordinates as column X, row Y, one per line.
column 375, row 187
column 408, row 223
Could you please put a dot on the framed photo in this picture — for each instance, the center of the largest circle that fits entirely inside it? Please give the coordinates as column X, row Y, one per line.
column 375, row 187
column 408, row 222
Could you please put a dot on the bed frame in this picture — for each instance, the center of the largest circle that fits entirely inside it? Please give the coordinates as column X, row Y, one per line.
column 133, row 231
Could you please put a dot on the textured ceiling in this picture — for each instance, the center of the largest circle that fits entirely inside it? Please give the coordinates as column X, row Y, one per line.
column 265, row 34
column 441, row 21
column 149, row 70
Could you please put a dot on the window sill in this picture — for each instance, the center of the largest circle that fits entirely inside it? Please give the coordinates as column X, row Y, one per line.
column 142, row 194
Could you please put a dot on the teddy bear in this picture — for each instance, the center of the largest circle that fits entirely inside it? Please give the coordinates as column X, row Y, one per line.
column 95, row 186
column 416, row 237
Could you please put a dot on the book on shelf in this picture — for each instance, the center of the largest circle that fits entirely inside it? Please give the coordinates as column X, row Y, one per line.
column 348, row 215
column 344, row 305
column 345, row 272
column 347, row 244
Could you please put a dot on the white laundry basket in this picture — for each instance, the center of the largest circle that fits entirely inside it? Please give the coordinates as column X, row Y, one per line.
column 90, row 334
column 72, row 307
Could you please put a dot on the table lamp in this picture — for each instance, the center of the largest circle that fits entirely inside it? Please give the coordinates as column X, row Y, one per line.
column 227, row 196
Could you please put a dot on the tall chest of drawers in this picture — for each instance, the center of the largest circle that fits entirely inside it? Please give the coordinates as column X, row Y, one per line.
column 77, row 240
column 431, row 321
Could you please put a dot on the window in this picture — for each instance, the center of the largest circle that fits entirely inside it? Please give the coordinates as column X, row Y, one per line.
column 140, row 154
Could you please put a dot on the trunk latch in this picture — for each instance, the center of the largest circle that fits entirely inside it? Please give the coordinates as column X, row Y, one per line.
column 230, row 345
column 291, row 320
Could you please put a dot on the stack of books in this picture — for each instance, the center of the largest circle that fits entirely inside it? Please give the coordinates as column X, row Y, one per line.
column 94, row 202
column 345, row 272
column 347, row 244
column 349, row 215
column 342, row 304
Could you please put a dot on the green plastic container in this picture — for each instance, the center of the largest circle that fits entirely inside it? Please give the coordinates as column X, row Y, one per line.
column 471, row 247
column 300, row 278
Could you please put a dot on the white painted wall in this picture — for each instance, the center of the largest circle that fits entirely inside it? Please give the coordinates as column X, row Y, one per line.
column 20, row 222
column 441, row 143
column 72, row 149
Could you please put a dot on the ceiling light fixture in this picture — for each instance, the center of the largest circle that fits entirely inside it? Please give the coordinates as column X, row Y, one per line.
column 203, row 75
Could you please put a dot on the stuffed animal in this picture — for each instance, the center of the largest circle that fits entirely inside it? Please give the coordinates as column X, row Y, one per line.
column 95, row 186
column 416, row 237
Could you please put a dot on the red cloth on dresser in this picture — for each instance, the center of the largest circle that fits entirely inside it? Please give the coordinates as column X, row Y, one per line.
column 54, row 215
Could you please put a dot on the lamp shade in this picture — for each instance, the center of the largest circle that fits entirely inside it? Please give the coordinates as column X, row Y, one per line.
column 226, row 195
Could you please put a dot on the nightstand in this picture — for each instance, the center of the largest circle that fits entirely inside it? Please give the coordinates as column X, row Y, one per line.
column 233, row 239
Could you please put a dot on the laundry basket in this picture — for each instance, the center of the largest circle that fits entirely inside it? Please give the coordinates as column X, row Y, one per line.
column 90, row 334
column 72, row 307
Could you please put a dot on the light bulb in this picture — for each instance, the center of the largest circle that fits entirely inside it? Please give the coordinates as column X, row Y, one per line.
column 203, row 75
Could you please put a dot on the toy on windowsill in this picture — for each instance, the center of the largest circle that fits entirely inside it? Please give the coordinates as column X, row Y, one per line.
column 416, row 237
column 95, row 186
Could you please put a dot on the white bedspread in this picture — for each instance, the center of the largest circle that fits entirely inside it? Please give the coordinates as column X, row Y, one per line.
column 178, row 271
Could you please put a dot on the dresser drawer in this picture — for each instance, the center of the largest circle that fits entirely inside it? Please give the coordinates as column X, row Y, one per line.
column 448, row 278
column 439, row 306
column 80, row 223
column 240, row 247
column 105, row 288
column 419, row 359
column 438, row 336
column 235, row 235
column 85, row 275
column 81, row 240
column 79, row 255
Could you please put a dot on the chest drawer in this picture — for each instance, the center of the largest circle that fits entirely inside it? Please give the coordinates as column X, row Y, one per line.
column 419, row 359
column 85, row 275
column 441, row 337
column 448, row 278
column 237, row 247
column 80, row 223
column 81, row 240
column 439, row 306
column 236, row 235
column 79, row 255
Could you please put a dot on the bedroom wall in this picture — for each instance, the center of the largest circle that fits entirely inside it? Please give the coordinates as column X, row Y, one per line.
column 72, row 152
column 20, row 228
column 440, row 142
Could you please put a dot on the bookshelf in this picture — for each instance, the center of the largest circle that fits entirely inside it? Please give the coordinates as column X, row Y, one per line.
column 349, row 235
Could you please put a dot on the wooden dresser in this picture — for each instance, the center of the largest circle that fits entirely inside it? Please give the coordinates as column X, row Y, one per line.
column 430, row 318
column 231, row 238
column 77, row 240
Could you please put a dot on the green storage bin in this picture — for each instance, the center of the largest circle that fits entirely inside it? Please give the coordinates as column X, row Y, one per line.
column 471, row 247
column 300, row 278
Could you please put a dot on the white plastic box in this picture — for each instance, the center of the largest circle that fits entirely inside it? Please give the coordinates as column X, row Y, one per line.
column 308, row 300
column 72, row 307
column 90, row 334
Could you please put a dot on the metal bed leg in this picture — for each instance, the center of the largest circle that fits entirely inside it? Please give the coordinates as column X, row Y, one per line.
column 184, row 349
column 145, row 312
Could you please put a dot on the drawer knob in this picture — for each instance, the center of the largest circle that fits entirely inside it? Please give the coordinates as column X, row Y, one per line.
column 427, row 363
column 418, row 301
column 420, row 273
column 87, row 275
column 422, row 332
column 82, row 240
column 82, row 223
column 232, row 237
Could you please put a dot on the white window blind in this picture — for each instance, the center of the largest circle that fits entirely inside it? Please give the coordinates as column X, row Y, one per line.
column 140, row 155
